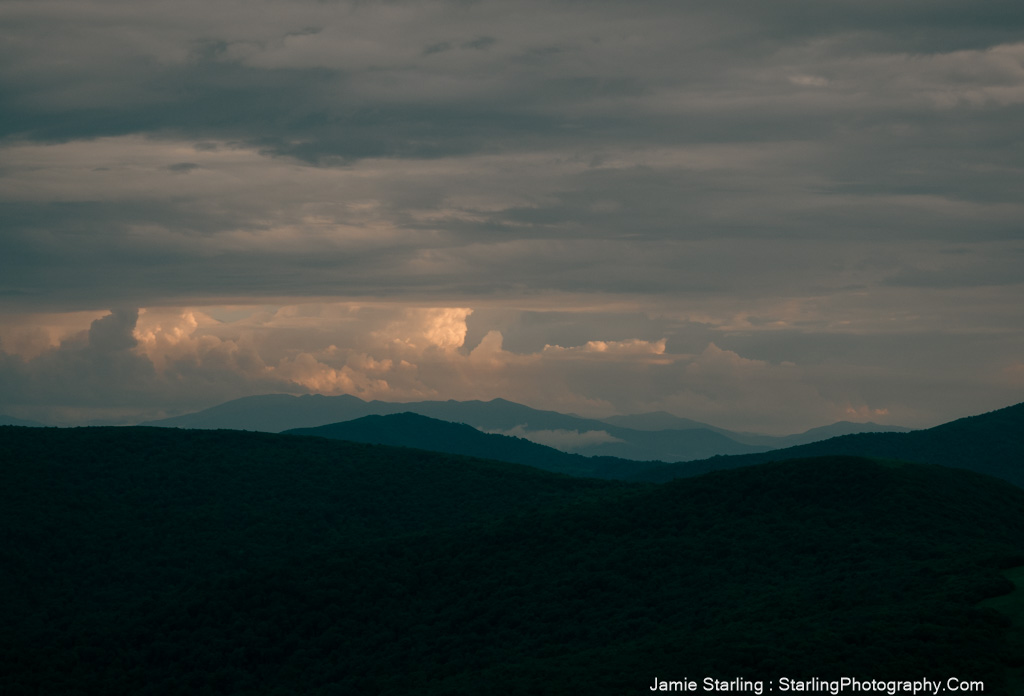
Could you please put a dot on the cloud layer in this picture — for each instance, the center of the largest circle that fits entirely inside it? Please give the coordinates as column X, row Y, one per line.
column 732, row 210
column 130, row 365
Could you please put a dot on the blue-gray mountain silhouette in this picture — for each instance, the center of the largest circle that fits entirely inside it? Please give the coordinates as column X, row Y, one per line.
column 413, row 430
column 11, row 420
column 991, row 443
column 280, row 412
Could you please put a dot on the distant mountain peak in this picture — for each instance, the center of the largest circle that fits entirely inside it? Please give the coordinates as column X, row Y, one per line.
column 11, row 420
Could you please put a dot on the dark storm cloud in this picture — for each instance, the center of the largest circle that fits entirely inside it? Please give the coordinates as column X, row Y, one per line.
column 760, row 177
column 278, row 85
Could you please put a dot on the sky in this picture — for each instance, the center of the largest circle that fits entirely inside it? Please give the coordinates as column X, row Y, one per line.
column 768, row 216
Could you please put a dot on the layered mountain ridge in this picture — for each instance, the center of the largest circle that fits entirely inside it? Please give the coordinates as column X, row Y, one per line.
column 990, row 443
column 154, row 560
column 642, row 440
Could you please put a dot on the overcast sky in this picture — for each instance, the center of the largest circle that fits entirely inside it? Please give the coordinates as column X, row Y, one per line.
column 764, row 215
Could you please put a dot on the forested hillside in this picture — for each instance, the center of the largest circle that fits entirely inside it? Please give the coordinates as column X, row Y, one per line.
column 413, row 430
column 990, row 443
column 153, row 561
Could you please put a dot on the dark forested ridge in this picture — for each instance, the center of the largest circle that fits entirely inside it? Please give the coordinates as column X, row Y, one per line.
column 991, row 443
column 154, row 561
column 414, row 430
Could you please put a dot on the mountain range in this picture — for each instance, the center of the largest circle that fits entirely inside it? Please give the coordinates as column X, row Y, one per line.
column 11, row 420
column 641, row 437
column 154, row 561
column 420, row 432
column 990, row 443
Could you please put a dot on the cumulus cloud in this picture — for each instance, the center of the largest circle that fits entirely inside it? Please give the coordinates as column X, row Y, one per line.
column 441, row 328
column 112, row 372
column 130, row 365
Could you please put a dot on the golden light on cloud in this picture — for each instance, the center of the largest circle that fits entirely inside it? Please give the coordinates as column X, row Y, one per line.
column 393, row 352
column 443, row 328
column 318, row 378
